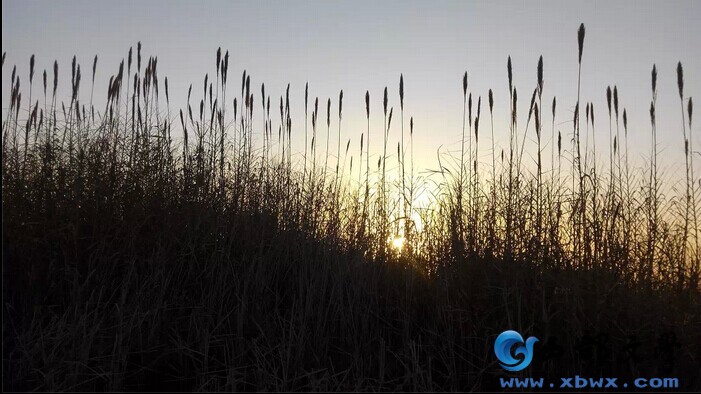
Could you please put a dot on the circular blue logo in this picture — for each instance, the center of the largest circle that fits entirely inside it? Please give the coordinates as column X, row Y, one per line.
column 509, row 344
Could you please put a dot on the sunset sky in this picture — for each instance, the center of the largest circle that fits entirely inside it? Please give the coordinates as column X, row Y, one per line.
column 365, row 45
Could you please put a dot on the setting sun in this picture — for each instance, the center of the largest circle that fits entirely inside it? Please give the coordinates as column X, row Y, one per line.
column 398, row 242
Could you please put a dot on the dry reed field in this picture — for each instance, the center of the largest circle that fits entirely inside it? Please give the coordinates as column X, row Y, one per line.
column 148, row 247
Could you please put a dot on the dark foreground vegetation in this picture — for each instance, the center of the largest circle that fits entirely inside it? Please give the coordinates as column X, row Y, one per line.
column 134, row 259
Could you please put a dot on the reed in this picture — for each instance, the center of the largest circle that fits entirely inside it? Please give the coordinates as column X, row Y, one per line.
column 461, row 180
column 687, row 155
column 404, row 214
column 653, row 210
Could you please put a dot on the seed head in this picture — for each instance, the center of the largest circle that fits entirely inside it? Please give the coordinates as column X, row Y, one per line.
column 479, row 106
column 77, row 83
column 129, row 60
column 559, row 143
column 94, row 67
column 367, row 103
column 491, row 101
column 225, row 66
column 690, row 109
column 138, row 56
column 385, row 101
column 680, row 80
column 248, row 85
column 469, row 109
column 401, row 91
column 530, row 108
column 508, row 69
column 73, row 64
column 218, row 59
column 464, row 84
column 580, row 40
column 340, row 104
column 31, row 69
column 540, row 76
column 206, row 78
column 554, row 105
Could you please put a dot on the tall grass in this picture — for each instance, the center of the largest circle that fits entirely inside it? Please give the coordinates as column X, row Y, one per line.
column 136, row 260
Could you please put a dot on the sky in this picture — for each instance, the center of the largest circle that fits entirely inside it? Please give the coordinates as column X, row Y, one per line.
column 366, row 45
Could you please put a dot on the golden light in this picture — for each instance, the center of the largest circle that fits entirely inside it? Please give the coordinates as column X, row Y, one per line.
column 418, row 223
column 398, row 242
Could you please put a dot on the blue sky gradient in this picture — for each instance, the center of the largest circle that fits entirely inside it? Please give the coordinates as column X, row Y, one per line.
column 365, row 45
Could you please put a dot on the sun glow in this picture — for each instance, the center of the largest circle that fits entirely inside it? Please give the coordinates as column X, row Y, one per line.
column 398, row 242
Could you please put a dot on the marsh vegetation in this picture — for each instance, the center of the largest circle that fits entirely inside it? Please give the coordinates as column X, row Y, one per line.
column 149, row 247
